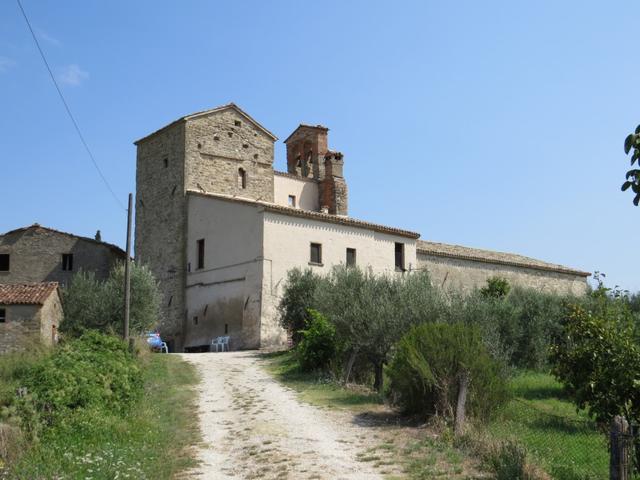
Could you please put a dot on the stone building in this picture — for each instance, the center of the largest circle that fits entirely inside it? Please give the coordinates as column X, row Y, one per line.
column 29, row 313
column 219, row 227
column 39, row 254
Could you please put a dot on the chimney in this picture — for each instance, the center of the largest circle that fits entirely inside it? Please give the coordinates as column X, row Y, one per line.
column 333, row 188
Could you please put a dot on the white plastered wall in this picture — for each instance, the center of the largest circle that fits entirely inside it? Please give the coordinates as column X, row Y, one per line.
column 305, row 191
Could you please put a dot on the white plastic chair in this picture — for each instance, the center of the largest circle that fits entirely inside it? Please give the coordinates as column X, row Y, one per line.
column 164, row 348
column 220, row 343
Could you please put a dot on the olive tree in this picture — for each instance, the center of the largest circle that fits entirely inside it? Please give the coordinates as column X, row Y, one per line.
column 632, row 143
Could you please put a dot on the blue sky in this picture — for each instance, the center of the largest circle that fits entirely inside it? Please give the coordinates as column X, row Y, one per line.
column 488, row 124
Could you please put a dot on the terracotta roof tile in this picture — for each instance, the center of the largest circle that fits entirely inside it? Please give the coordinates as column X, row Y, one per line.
column 488, row 256
column 26, row 293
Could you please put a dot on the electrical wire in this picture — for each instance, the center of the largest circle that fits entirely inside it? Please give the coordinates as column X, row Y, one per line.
column 66, row 106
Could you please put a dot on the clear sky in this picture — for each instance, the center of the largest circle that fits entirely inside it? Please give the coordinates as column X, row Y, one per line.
column 489, row 124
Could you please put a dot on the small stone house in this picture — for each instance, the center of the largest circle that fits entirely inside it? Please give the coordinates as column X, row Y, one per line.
column 29, row 313
column 39, row 254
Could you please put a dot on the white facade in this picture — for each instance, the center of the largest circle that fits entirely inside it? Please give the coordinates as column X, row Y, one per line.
column 303, row 190
column 248, row 250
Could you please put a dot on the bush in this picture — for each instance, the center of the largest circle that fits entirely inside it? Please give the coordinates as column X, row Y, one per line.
column 318, row 345
column 296, row 301
column 496, row 288
column 93, row 371
column 429, row 362
column 91, row 304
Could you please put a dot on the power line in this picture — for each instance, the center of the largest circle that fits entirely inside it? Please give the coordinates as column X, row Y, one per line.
column 66, row 106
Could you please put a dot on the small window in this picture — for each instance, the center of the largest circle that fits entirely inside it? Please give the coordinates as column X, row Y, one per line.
column 351, row 257
column 201, row 254
column 226, row 328
column 166, row 162
column 316, row 254
column 3, row 315
column 292, row 201
column 400, row 256
column 195, row 320
column 237, row 123
column 242, row 178
column 67, row 262
column 4, row 262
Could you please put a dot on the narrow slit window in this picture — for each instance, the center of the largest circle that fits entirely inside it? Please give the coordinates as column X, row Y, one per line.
column 5, row 262
column 67, row 262
column 242, row 178
column 201, row 254
column 316, row 254
column 3, row 315
column 166, row 162
column 351, row 257
column 292, row 201
column 399, row 248
column 195, row 320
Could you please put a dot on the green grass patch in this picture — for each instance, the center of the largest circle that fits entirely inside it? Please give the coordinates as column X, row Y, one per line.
column 318, row 389
column 540, row 417
column 151, row 441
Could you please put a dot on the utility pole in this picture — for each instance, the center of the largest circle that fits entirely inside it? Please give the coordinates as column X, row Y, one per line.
column 127, row 275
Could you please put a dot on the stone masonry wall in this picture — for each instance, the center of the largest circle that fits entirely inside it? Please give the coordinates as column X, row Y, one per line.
column 21, row 329
column 160, row 230
column 465, row 275
column 49, row 317
column 221, row 143
column 36, row 256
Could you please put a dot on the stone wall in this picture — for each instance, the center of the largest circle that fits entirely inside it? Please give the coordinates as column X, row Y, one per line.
column 36, row 256
column 161, row 221
column 27, row 325
column 49, row 317
column 218, row 145
column 465, row 275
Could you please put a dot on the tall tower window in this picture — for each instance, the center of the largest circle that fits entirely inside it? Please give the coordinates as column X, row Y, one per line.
column 200, row 244
column 399, row 249
column 242, row 178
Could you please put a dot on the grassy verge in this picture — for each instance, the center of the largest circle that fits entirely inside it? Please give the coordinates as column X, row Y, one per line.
column 151, row 442
column 565, row 443
column 397, row 447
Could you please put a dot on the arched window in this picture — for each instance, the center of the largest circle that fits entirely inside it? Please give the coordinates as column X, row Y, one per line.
column 242, row 178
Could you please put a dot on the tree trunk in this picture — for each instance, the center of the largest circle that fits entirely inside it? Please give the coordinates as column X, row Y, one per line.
column 378, row 382
column 462, row 401
column 349, row 367
column 620, row 459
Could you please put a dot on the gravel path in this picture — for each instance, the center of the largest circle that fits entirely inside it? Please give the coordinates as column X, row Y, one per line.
column 253, row 427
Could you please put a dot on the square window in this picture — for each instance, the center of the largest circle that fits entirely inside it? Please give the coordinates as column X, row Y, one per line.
column 351, row 257
column 292, row 201
column 201, row 254
column 4, row 262
column 67, row 262
column 3, row 315
column 399, row 248
column 316, row 254
column 195, row 320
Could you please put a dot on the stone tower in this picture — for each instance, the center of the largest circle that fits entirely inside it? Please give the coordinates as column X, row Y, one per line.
column 222, row 151
column 308, row 155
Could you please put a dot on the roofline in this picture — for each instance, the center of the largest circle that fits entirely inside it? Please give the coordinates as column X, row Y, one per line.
column 208, row 112
column 477, row 258
column 322, row 217
column 88, row 239
column 295, row 177
column 304, row 125
column 33, row 284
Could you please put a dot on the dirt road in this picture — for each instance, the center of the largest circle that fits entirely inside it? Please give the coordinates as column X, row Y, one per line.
column 253, row 427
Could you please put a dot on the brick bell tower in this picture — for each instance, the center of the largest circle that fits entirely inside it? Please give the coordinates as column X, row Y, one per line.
column 308, row 156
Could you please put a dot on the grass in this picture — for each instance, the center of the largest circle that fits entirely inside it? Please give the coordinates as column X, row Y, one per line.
column 565, row 443
column 152, row 442
column 400, row 448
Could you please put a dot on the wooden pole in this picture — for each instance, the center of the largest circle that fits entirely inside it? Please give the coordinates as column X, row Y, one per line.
column 620, row 459
column 462, row 402
column 127, row 274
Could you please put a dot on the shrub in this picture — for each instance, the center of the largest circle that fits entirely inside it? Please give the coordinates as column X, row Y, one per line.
column 496, row 288
column 93, row 371
column 91, row 304
column 318, row 345
column 297, row 299
column 427, row 366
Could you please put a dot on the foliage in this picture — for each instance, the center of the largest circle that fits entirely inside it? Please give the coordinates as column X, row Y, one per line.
column 429, row 362
column 296, row 300
column 598, row 360
column 632, row 142
column 91, row 304
column 318, row 345
column 496, row 288
column 93, row 371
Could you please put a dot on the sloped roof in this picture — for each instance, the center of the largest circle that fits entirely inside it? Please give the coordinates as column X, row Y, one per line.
column 26, row 293
column 303, row 126
column 37, row 226
column 208, row 112
column 323, row 217
column 488, row 256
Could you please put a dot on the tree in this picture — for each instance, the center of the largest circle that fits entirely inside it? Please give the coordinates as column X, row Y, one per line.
column 632, row 142
column 91, row 304
column 297, row 299
column 496, row 288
